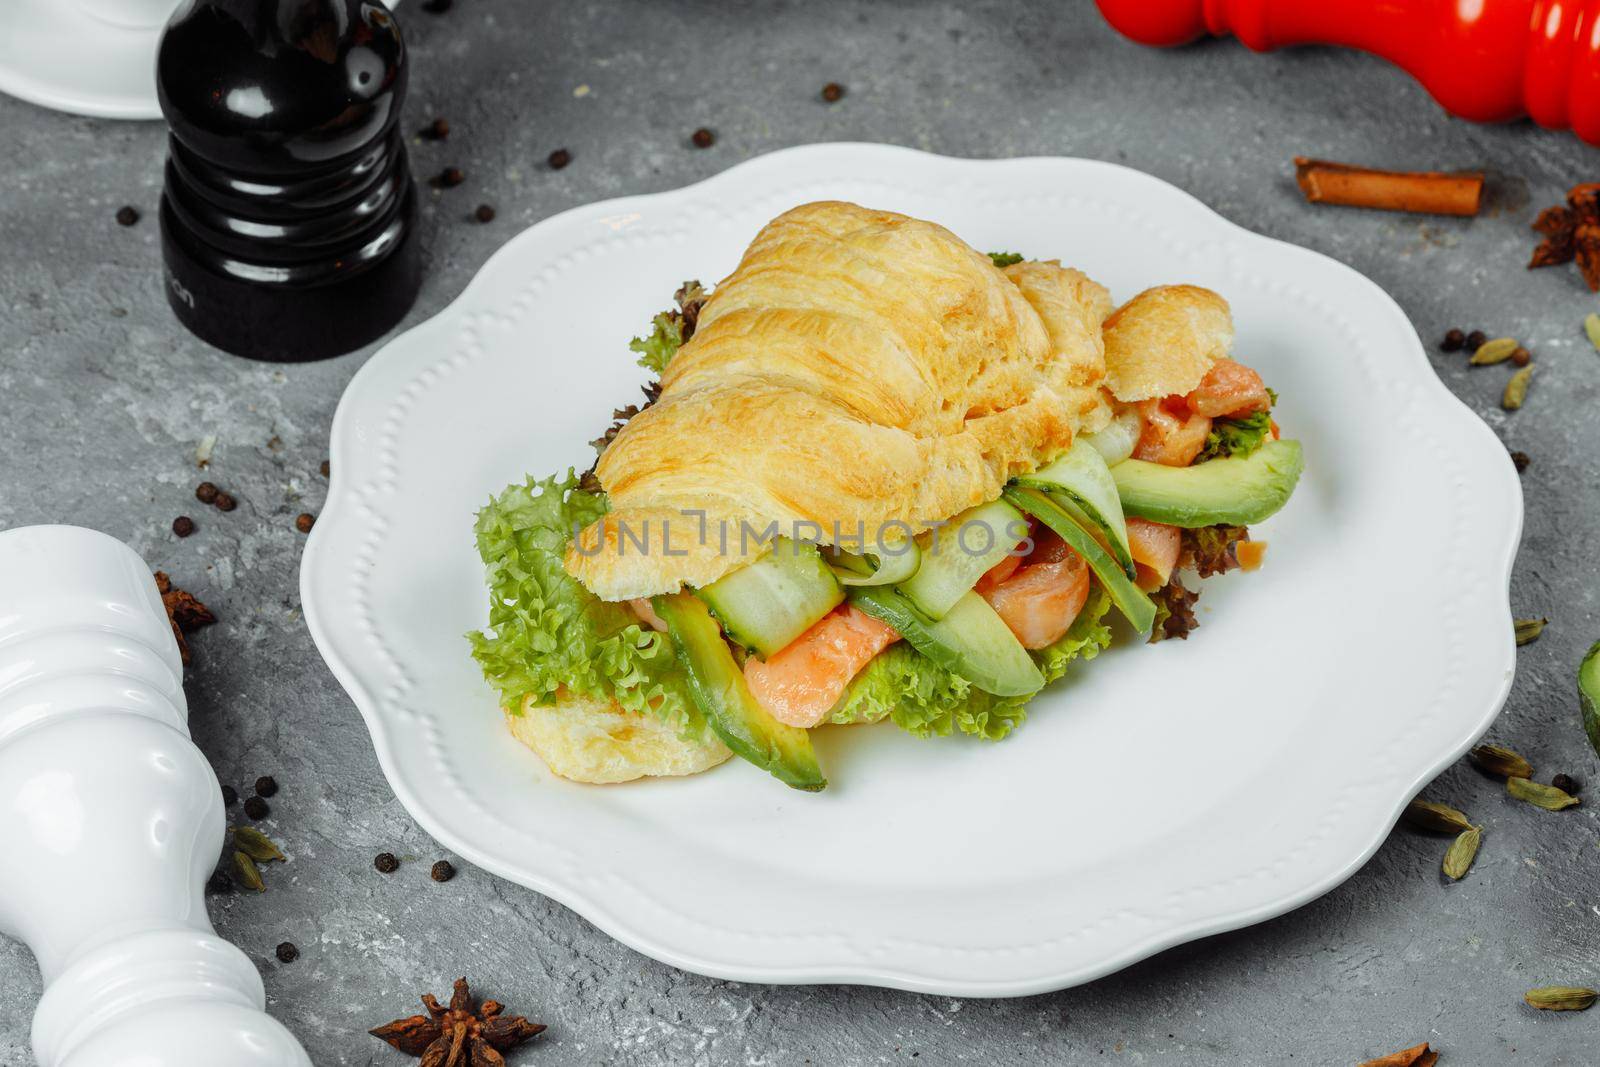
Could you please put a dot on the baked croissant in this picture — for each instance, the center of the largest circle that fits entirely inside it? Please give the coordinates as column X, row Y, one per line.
column 858, row 368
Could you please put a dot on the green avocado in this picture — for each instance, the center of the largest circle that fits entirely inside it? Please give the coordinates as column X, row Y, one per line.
column 1589, row 695
column 971, row 640
column 1235, row 491
column 719, row 690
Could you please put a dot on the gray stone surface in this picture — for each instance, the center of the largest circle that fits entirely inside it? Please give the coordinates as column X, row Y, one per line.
column 103, row 397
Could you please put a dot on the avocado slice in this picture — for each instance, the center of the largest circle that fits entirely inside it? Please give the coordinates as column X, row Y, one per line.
column 1235, row 491
column 1133, row 604
column 719, row 689
column 1589, row 695
column 971, row 640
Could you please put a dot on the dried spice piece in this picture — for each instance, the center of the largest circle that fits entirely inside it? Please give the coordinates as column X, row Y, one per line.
column 183, row 526
column 1410, row 1057
column 1589, row 695
column 1516, row 389
column 287, row 952
column 833, row 92
column 224, row 502
column 442, row 871
column 257, row 845
column 246, row 873
column 1501, row 761
column 184, row 611
column 1174, row 611
column 206, row 493
column 266, row 786
column 1561, row 998
column 458, row 1035
column 1453, row 340
column 1591, row 326
column 230, row 796
column 1463, row 850
column 1528, row 630
column 1521, row 357
column 386, row 863
column 304, row 521
column 1496, row 351
column 1572, row 234
column 1567, row 784
column 449, row 178
column 437, row 130
column 484, row 213
column 1540, row 795
column 559, row 158
column 1520, row 460
column 703, row 138
column 127, row 215
column 1440, row 818
column 256, row 808
column 1325, row 182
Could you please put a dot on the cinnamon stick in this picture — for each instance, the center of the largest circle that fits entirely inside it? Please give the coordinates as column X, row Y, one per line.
column 1429, row 192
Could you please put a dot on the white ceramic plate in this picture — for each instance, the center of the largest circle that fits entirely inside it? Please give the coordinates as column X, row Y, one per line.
column 1128, row 814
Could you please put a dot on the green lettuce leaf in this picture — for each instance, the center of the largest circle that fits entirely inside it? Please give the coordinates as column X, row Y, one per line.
column 547, row 632
column 1005, row 259
column 926, row 700
column 657, row 350
column 1236, row 437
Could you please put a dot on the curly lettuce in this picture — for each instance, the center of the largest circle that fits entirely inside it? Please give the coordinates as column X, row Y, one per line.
column 927, row 700
column 656, row 350
column 547, row 634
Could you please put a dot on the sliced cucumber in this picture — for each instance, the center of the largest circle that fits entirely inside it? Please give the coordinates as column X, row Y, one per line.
column 968, row 545
column 1235, row 491
column 1116, row 441
column 875, row 568
column 719, row 689
column 1124, row 594
column 777, row 598
column 971, row 640
column 1082, row 477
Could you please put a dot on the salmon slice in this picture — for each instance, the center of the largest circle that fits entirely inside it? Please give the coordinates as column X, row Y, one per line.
column 1155, row 547
column 1230, row 389
column 1042, row 597
column 802, row 682
column 1173, row 434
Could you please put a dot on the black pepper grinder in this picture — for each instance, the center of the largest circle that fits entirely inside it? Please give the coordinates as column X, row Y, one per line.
column 289, row 214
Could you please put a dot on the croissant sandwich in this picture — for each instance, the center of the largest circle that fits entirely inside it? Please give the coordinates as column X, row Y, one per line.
column 879, row 475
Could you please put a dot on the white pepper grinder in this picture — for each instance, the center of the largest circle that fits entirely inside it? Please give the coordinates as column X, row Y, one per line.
column 111, row 820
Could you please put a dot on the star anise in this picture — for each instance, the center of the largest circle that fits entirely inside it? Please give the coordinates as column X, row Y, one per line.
column 184, row 612
column 458, row 1035
column 1572, row 233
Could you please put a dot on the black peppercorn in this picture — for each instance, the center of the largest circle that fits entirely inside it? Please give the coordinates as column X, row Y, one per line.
column 1453, row 340
column 485, row 213
column 386, row 863
column 218, row 883
column 230, row 796
column 287, row 952
column 1567, row 784
column 304, row 521
column 560, row 158
column 1520, row 460
column 437, row 130
column 224, row 502
column 1475, row 340
column 1521, row 356
column 256, row 808
column 442, row 871
column 183, row 526
column 206, row 493
column 266, row 786
column 127, row 215
column 703, row 138
column 832, row 92
column 449, row 178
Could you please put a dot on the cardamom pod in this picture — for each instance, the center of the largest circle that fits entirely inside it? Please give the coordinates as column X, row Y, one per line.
column 1440, row 818
column 1560, row 998
column 1516, row 389
column 255, row 844
column 246, row 873
column 1591, row 326
column 1497, row 351
column 1589, row 695
column 1528, row 630
column 1501, row 761
column 1540, row 795
column 1463, row 850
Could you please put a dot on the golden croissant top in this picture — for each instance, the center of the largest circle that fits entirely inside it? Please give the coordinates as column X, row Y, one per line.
column 861, row 368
